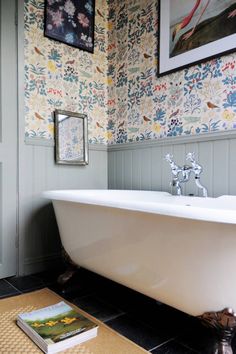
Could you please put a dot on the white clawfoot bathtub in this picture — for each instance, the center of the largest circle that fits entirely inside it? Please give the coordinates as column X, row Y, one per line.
column 178, row 250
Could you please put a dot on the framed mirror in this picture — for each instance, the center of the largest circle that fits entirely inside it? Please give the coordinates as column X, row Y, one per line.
column 71, row 135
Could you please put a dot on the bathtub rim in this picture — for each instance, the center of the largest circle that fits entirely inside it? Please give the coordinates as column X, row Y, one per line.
column 184, row 210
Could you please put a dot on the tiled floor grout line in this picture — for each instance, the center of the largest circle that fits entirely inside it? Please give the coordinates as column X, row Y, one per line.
column 113, row 317
column 189, row 348
column 160, row 345
column 12, row 285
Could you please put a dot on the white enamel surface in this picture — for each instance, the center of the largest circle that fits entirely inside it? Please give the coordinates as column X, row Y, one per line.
column 221, row 209
column 167, row 255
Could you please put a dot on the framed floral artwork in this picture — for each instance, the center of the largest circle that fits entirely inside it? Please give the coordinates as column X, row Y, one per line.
column 193, row 31
column 71, row 135
column 71, row 22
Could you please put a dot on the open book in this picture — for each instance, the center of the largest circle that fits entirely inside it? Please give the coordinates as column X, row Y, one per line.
column 57, row 327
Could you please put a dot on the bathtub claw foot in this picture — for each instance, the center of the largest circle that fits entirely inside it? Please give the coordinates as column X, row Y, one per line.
column 224, row 324
column 72, row 268
column 66, row 276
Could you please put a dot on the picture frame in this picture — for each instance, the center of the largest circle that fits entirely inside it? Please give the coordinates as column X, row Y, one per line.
column 71, row 138
column 194, row 31
column 70, row 22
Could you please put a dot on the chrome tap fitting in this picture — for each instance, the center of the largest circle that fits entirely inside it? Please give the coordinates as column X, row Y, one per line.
column 186, row 171
column 175, row 169
column 197, row 170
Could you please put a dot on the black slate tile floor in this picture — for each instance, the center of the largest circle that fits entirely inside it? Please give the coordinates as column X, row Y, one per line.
column 97, row 308
column 156, row 327
column 26, row 284
column 172, row 347
column 7, row 289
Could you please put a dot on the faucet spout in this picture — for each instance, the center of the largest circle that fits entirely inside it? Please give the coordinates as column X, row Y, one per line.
column 197, row 170
column 200, row 186
column 176, row 183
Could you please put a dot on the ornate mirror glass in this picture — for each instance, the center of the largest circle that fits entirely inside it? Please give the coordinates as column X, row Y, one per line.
column 71, row 134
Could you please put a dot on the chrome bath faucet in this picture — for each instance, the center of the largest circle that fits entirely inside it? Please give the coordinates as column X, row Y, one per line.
column 182, row 174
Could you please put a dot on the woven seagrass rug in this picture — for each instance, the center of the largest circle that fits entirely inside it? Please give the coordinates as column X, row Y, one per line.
column 14, row 341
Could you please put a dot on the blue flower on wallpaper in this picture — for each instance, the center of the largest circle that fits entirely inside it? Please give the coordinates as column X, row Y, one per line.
column 54, row 55
column 211, row 126
column 192, row 104
column 213, row 69
column 231, row 101
column 229, row 80
column 160, row 116
column 175, row 127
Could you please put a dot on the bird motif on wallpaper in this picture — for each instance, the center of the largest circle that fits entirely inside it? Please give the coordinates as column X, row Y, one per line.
column 146, row 119
column 211, row 105
column 38, row 51
column 99, row 13
column 121, row 124
column 99, row 70
column 174, row 113
column 121, row 9
column 121, row 67
column 70, row 62
column 146, row 56
column 99, row 125
column 38, row 116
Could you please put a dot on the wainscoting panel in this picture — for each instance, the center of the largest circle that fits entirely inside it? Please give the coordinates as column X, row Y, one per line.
column 39, row 238
column 142, row 166
column 232, row 167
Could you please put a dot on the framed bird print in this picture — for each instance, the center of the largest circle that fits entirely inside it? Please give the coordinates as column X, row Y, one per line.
column 70, row 22
column 71, row 134
column 193, row 31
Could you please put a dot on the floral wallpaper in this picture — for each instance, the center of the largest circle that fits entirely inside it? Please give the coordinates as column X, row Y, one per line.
column 60, row 76
column 117, row 86
column 141, row 106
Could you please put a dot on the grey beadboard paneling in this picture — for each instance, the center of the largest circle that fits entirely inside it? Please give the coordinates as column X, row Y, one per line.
column 220, row 167
column 165, row 170
column 38, row 230
column 136, row 169
column 147, row 169
column 156, row 166
column 145, row 177
column 120, row 170
column 232, row 166
column 39, row 244
column 205, row 156
column 127, row 170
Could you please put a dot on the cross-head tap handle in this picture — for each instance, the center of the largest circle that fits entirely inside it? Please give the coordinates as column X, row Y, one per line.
column 168, row 157
column 190, row 156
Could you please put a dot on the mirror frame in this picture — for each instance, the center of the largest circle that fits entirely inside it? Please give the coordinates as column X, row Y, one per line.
column 68, row 114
